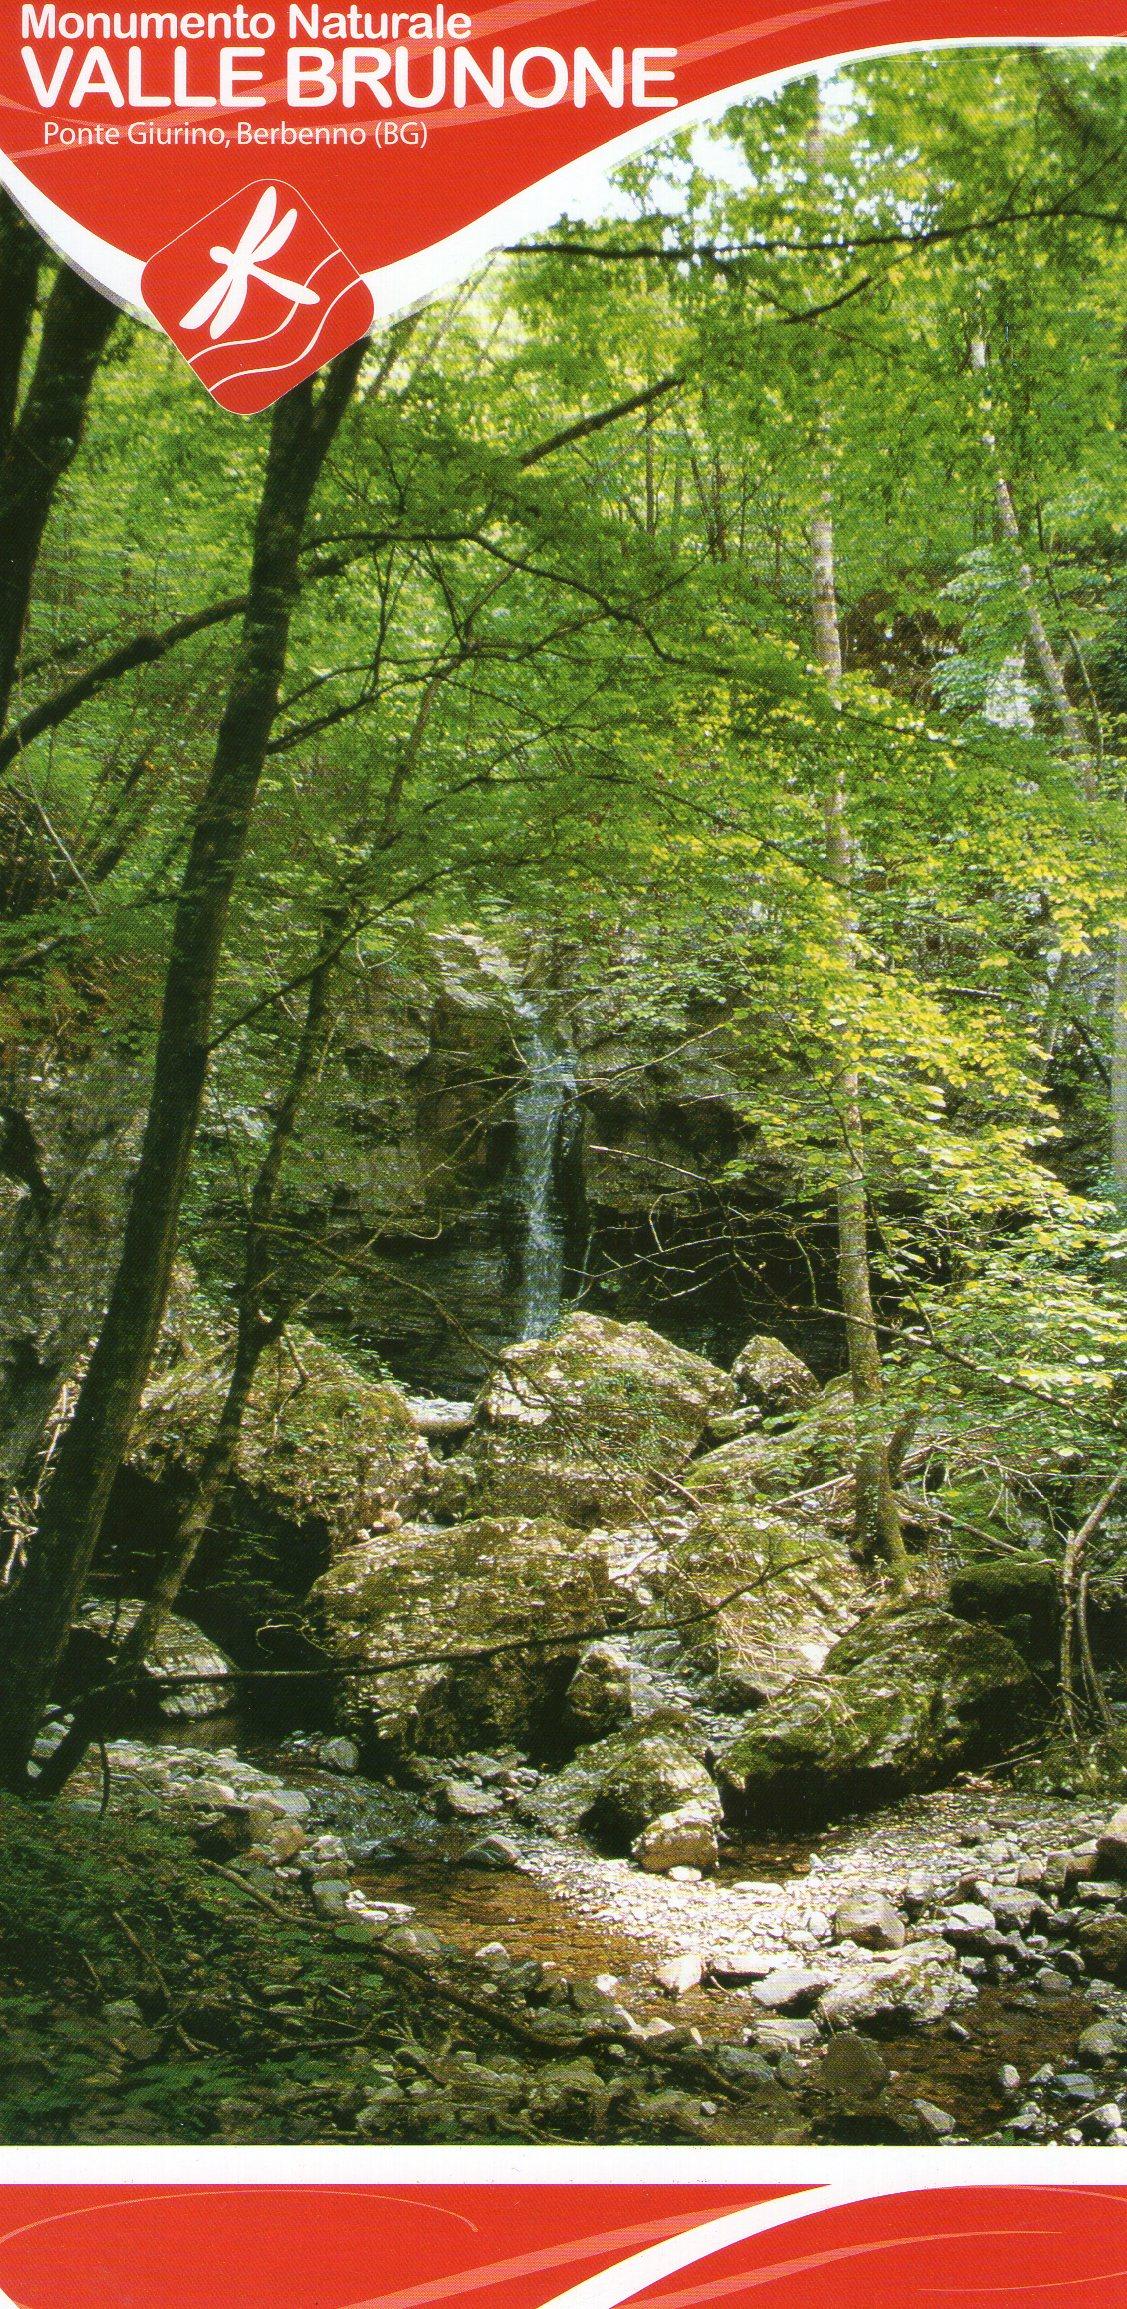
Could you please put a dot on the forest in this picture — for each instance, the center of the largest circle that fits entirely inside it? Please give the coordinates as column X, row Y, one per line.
column 563, row 1167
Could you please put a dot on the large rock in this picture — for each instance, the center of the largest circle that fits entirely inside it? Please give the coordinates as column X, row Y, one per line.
column 651, row 1775
column 324, row 1449
column 870, row 1919
column 1112, row 1846
column 787, row 1589
column 584, row 1425
column 600, row 1696
column 1018, row 1593
column 915, row 1986
column 773, row 1379
column 533, row 1588
column 760, row 1468
column 683, row 1839
column 562, row 1803
column 180, row 1650
column 905, row 1699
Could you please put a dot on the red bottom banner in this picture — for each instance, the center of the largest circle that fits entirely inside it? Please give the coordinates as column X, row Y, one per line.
column 580, row 2246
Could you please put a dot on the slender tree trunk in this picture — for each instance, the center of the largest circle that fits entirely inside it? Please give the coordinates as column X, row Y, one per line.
column 876, row 1517
column 35, row 1622
column 20, row 256
column 1087, row 772
column 40, row 446
column 877, row 1520
column 258, row 1327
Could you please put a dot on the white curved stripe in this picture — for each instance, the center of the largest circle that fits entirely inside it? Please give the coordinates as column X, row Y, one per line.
column 613, row 2286
column 109, row 268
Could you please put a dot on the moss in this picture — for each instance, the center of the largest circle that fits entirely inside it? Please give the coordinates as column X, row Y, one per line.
column 904, row 1699
column 1017, row 1593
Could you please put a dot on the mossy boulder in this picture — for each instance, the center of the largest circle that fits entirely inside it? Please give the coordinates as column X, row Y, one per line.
column 618, row 1787
column 904, row 1700
column 324, row 1448
column 788, row 1589
column 584, row 1425
column 771, row 1378
column 753, row 1470
column 651, row 1775
column 535, row 1589
column 1017, row 1593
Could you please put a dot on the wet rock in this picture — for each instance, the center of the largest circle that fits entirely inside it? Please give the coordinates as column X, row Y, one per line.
column 329, row 1895
column 680, row 1974
column 424, row 1592
column 600, row 1696
column 1073, row 2085
column 571, row 2096
column 1016, row 1907
column 651, row 1775
column 181, row 1649
column 1102, row 1942
column 742, row 2066
column 338, row 1755
column 937, row 2124
column 869, row 1919
column 462, row 1800
column 852, row 2069
column 793, row 1988
column 779, row 2035
column 493, row 1852
column 919, row 1984
column 904, row 1699
column 583, row 1425
column 919, row 1891
column 1111, row 1845
column 1009, row 2078
column 1105, row 2040
column 684, row 1840
column 773, row 1379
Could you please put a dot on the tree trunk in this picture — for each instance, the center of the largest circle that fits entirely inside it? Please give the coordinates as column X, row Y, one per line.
column 257, row 1329
column 41, row 445
column 35, row 1622
column 876, row 1516
column 1076, row 740
column 20, row 255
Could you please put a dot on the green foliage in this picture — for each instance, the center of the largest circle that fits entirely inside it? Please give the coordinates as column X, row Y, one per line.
column 241, row 2009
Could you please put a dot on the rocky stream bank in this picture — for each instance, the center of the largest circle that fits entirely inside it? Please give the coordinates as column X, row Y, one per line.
column 626, row 1802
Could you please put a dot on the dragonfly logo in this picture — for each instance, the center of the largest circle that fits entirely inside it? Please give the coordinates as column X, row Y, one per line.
column 258, row 294
column 262, row 238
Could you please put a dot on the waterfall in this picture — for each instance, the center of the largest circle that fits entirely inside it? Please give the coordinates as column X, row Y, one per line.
column 544, row 1104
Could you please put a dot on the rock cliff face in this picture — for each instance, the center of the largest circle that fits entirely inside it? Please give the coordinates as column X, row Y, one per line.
column 418, row 1185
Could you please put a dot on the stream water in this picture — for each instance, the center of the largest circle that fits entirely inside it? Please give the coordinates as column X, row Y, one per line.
column 544, row 1105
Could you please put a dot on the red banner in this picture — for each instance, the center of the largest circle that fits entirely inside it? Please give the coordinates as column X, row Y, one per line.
column 549, row 2247
column 267, row 178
